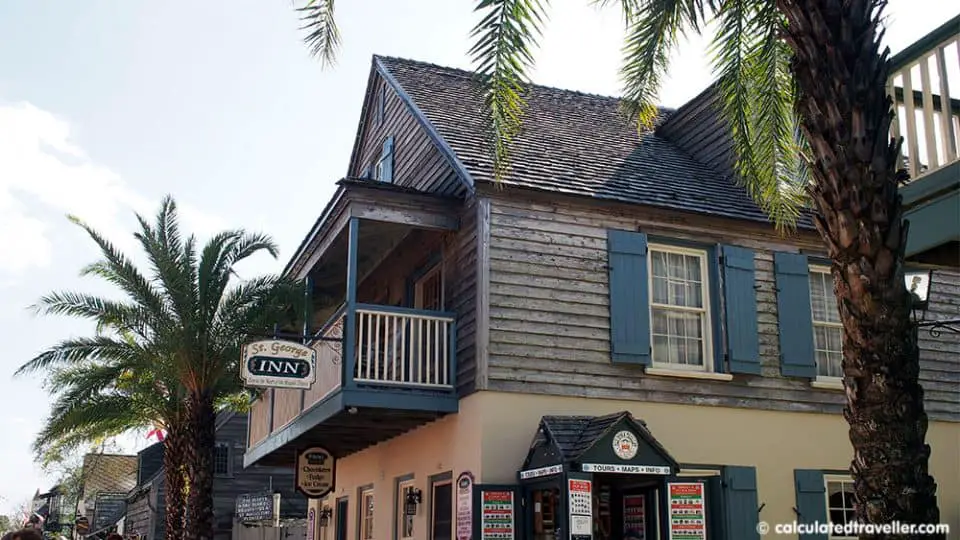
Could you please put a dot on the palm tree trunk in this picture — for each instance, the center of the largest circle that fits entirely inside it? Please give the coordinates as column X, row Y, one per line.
column 202, row 418
column 173, row 472
column 845, row 115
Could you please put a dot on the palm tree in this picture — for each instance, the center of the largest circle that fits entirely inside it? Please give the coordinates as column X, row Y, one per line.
column 802, row 83
column 104, row 397
column 177, row 334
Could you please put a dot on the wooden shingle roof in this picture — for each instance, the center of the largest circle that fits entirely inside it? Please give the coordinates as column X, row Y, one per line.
column 572, row 143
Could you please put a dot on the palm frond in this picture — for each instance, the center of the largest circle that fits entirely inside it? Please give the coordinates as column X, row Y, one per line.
column 323, row 36
column 653, row 29
column 76, row 350
column 757, row 97
column 118, row 270
column 502, row 51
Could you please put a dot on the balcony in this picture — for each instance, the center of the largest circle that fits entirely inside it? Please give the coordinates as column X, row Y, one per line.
column 382, row 369
column 925, row 84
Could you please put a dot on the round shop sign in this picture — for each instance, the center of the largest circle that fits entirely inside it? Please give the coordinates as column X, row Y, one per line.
column 625, row 445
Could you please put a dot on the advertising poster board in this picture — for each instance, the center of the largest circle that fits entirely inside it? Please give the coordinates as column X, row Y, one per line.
column 687, row 511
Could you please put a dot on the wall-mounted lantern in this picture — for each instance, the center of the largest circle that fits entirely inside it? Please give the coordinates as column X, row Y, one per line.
column 325, row 514
column 920, row 284
column 414, row 497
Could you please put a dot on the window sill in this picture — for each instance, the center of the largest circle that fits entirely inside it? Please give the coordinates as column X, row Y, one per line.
column 679, row 373
column 827, row 384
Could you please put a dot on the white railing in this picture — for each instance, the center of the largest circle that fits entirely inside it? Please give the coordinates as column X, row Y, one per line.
column 403, row 347
column 928, row 114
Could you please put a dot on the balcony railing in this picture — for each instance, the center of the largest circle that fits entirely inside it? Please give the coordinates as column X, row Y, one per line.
column 396, row 346
column 928, row 116
column 393, row 349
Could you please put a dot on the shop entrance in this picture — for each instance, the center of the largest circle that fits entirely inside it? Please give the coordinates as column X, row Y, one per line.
column 596, row 478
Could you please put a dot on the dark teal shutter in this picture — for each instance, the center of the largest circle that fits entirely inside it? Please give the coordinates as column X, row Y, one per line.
column 386, row 163
column 794, row 315
column 811, row 499
column 740, row 508
column 740, row 305
column 629, row 297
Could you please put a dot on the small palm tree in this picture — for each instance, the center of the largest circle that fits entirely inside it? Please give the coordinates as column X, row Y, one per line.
column 166, row 354
column 802, row 84
column 104, row 397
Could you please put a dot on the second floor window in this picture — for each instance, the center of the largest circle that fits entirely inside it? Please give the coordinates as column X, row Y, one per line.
column 679, row 308
column 827, row 330
column 221, row 460
column 428, row 291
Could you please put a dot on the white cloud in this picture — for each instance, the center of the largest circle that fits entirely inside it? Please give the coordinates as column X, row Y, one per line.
column 44, row 172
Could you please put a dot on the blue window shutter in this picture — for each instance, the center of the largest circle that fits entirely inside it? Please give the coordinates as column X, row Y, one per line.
column 629, row 297
column 794, row 315
column 741, row 512
column 811, row 499
column 740, row 305
column 366, row 173
column 386, row 174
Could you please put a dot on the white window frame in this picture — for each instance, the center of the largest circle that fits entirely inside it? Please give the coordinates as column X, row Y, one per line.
column 707, row 320
column 364, row 495
column 402, row 488
column 824, row 379
column 418, row 286
column 827, row 480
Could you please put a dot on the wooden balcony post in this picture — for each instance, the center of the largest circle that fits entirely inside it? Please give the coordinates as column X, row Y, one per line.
column 349, row 360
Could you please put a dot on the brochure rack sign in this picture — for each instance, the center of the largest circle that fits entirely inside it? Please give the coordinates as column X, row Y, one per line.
column 496, row 515
column 687, row 511
column 465, row 506
column 581, row 507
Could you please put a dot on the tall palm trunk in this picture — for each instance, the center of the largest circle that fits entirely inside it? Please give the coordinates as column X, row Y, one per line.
column 845, row 115
column 174, row 446
column 202, row 439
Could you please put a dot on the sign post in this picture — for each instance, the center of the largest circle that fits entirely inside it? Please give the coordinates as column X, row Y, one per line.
column 315, row 474
column 278, row 364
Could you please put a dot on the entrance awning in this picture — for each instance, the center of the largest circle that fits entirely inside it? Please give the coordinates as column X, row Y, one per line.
column 615, row 443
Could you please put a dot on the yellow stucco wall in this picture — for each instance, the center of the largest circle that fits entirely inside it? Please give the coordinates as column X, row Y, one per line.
column 491, row 434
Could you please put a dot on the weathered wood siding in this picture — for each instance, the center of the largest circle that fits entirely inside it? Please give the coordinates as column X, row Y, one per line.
column 463, row 298
column 139, row 518
column 286, row 406
column 260, row 418
column 549, row 322
column 252, row 479
column 418, row 162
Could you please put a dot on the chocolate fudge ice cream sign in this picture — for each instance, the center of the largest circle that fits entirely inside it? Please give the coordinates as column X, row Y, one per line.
column 278, row 364
column 316, row 468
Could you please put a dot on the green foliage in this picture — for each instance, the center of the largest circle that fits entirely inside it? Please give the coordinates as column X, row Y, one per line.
column 178, row 329
column 502, row 50
column 749, row 57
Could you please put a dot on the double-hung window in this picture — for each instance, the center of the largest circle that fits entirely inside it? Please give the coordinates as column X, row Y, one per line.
column 679, row 308
column 827, row 330
column 839, row 503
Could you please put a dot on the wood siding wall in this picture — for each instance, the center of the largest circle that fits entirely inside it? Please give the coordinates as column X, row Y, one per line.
column 463, row 298
column 418, row 162
column 260, row 418
column 549, row 322
column 139, row 517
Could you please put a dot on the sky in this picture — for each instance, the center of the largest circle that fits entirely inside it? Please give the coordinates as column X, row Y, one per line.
column 106, row 106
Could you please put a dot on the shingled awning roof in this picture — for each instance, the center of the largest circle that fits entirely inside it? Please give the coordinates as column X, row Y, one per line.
column 570, row 439
column 573, row 143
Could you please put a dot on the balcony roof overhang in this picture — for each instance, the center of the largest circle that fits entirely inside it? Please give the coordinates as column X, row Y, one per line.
column 376, row 202
column 932, row 206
